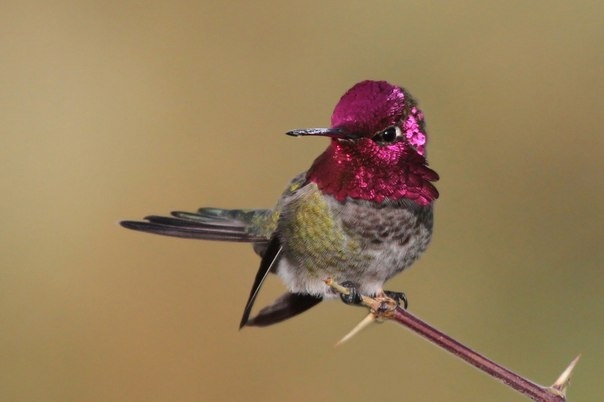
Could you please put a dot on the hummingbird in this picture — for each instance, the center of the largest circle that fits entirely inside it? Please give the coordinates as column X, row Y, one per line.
column 362, row 213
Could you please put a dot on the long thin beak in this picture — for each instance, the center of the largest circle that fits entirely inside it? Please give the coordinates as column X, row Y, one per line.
column 323, row 132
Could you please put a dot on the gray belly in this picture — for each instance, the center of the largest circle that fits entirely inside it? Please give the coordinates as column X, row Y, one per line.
column 357, row 241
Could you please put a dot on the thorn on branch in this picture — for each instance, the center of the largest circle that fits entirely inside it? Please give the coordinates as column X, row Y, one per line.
column 384, row 307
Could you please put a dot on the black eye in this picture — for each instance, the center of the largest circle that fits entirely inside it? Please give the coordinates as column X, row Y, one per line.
column 388, row 135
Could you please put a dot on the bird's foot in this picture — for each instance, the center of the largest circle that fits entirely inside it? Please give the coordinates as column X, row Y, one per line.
column 386, row 302
column 353, row 297
column 399, row 297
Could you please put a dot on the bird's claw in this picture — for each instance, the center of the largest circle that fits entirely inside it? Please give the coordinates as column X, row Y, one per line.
column 399, row 297
column 353, row 297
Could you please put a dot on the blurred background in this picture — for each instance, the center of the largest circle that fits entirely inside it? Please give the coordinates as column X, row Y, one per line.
column 117, row 109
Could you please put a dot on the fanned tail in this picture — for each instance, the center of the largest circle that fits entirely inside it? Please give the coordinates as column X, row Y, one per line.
column 256, row 226
column 252, row 226
column 238, row 225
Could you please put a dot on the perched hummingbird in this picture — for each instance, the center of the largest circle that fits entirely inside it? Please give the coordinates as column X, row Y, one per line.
column 361, row 214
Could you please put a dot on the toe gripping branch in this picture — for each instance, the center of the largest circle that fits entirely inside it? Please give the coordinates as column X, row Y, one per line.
column 349, row 294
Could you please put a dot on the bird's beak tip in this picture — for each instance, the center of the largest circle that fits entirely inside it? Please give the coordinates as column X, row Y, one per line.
column 323, row 132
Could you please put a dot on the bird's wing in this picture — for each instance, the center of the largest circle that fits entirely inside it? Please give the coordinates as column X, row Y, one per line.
column 269, row 259
column 289, row 304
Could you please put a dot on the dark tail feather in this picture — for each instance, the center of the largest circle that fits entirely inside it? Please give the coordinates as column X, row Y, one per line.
column 197, row 226
column 286, row 306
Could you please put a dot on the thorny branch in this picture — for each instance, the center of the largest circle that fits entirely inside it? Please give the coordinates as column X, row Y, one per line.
column 386, row 308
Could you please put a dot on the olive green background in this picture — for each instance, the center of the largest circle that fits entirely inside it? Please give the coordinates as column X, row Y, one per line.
column 113, row 110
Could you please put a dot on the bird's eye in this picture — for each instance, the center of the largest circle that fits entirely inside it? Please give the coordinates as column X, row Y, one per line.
column 387, row 136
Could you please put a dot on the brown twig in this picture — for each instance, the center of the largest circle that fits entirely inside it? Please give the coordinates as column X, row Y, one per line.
column 383, row 307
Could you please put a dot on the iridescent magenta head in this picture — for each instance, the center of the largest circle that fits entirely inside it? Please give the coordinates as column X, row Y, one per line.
column 377, row 151
column 369, row 107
